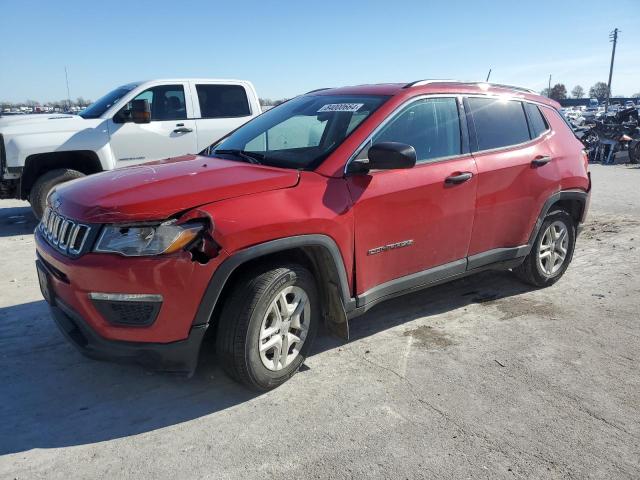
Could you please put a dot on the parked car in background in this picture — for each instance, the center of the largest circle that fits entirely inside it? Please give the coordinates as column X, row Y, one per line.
column 313, row 212
column 135, row 123
column 589, row 115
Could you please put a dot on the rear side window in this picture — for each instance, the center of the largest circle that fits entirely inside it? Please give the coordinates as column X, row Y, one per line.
column 537, row 123
column 498, row 123
column 430, row 125
column 223, row 101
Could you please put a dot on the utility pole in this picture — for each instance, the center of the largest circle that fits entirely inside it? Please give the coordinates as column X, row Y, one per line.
column 66, row 77
column 488, row 75
column 549, row 91
column 614, row 38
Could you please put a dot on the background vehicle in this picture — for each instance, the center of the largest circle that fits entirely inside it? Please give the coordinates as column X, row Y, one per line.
column 313, row 212
column 135, row 123
column 613, row 133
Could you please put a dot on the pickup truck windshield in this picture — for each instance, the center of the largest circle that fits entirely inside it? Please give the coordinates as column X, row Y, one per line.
column 300, row 133
column 101, row 105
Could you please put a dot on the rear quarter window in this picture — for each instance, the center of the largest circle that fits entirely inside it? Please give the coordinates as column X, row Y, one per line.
column 537, row 123
column 498, row 123
column 222, row 101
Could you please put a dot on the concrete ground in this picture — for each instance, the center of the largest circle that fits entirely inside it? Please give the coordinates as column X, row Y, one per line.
column 481, row 378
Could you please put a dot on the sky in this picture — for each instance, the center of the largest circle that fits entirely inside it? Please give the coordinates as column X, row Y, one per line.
column 289, row 47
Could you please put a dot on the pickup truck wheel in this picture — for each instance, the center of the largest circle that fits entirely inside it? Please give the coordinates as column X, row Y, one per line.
column 634, row 151
column 45, row 183
column 267, row 326
column 552, row 251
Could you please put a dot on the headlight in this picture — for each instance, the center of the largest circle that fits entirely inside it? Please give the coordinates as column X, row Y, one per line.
column 133, row 241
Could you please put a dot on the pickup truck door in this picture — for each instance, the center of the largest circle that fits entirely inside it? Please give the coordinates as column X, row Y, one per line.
column 414, row 225
column 219, row 109
column 171, row 132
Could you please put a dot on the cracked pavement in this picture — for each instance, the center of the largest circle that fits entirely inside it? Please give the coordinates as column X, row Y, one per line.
column 481, row 378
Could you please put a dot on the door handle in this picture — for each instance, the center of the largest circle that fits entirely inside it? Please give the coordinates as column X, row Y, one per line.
column 540, row 161
column 183, row 130
column 458, row 178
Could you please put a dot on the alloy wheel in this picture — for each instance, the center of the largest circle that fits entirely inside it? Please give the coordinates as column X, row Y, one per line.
column 553, row 248
column 284, row 328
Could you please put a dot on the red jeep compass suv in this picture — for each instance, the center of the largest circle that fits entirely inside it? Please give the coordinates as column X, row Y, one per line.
column 312, row 212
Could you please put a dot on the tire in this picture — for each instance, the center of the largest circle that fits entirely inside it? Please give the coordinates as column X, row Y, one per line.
column 541, row 272
column 247, row 316
column 45, row 183
column 634, row 151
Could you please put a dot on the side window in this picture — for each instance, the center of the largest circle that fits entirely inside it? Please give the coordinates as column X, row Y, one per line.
column 430, row 125
column 222, row 101
column 537, row 123
column 498, row 123
column 166, row 102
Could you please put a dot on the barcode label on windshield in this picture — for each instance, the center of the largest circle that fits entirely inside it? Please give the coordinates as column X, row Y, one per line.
column 341, row 107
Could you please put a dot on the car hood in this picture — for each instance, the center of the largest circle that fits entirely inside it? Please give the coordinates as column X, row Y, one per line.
column 43, row 123
column 158, row 190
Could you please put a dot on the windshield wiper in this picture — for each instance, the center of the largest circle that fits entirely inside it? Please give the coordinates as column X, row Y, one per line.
column 251, row 157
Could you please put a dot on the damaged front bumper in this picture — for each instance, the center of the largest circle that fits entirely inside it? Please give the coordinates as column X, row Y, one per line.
column 176, row 357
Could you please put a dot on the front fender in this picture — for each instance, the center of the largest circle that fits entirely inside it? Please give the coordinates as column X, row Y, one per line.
column 226, row 269
column 20, row 144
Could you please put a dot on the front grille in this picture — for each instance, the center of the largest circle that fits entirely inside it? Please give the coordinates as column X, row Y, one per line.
column 64, row 234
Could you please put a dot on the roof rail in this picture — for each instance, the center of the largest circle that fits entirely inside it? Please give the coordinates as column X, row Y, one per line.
column 512, row 87
column 318, row 90
column 419, row 83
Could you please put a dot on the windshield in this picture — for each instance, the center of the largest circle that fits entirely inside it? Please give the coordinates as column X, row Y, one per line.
column 300, row 133
column 101, row 105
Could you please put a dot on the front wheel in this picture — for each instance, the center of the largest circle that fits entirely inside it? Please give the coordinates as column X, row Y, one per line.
column 45, row 183
column 634, row 151
column 267, row 325
column 552, row 251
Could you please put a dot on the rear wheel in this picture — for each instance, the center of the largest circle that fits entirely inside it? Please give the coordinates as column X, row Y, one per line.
column 267, row 326
column 45, row 183
column 552, row 251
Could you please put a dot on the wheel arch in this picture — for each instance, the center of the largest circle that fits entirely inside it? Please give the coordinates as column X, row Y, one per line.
column 319, row 253
column 573, row 202
column 84, row 161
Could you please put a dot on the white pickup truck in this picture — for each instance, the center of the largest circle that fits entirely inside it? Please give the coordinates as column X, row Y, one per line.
column 135, row 123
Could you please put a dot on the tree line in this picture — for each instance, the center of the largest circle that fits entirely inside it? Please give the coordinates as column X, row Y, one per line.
column 598, row 90
column 61, row 104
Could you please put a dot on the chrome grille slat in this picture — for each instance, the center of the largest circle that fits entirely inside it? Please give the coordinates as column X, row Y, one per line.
column 64, row 234
column 74, row 235
column 54, row 230
column 63, row 231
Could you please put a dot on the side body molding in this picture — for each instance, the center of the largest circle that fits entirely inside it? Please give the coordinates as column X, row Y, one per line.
column 335, row 266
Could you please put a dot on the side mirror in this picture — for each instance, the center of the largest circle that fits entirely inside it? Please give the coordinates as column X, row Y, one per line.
column 140, row 111
column 385, row 156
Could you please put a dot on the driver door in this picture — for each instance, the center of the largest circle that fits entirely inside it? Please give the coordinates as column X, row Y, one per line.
column 415, row 224
column 169, row 134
